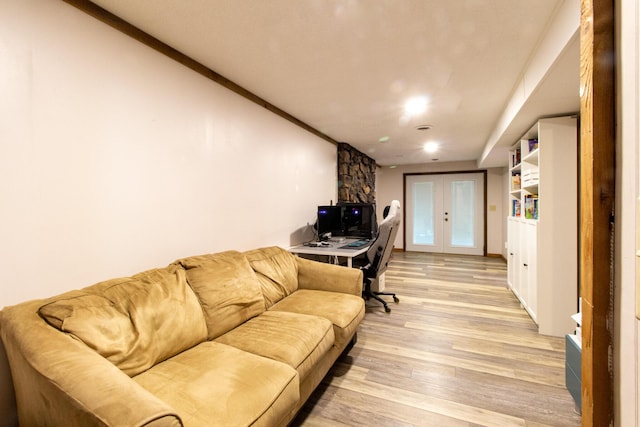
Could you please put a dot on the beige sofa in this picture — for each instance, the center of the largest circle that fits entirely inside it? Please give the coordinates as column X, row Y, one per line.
column 230, row 339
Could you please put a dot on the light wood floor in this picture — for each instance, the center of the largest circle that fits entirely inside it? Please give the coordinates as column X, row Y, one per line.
column 458, row 350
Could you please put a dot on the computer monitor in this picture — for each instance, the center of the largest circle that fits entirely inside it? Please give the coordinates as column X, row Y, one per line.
column 329, row 221
column 359, row 220
column 356, row 220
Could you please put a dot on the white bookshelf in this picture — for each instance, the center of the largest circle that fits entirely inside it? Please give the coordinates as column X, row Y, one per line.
column 542, row 237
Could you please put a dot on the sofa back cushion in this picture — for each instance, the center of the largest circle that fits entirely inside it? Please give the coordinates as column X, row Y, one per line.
column 227, row 288
column 135, row 322
column 277, row 271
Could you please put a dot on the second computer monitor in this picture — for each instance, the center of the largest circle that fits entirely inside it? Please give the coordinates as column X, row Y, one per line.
column 359, row 220
column 356, row 220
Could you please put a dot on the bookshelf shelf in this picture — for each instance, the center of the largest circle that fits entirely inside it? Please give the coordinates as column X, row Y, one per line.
column 532, row 157
column 542, row 223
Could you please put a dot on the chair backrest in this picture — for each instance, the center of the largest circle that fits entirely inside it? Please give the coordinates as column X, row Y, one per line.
column 380, row 250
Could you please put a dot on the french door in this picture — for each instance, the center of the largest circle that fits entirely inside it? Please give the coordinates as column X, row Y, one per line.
column 445, row 213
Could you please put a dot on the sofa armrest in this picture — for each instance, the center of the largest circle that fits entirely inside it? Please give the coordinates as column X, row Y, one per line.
column 328, row 277
column 58, row 380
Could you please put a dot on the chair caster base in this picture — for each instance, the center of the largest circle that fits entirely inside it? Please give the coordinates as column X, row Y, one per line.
column 367, row 294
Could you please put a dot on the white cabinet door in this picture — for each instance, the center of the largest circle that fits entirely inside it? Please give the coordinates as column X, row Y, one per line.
column 513, row 262
column 530, row 233
column 522, row 263
column 525, row 249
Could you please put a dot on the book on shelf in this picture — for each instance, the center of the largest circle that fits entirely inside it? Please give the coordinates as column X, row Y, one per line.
column 515, row 207
column 515, row 157
column 531, row 206
column 515, row 181
column 533, row 144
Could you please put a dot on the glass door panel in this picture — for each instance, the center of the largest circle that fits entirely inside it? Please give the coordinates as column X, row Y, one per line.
column 462, row 214
column 423, row 200
column 424, row 227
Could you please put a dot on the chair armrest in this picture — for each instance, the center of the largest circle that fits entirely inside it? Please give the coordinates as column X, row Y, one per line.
column 328, row 277
column 58, row 380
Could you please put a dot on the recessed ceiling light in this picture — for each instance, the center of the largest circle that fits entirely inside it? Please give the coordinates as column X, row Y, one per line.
column 431, row 147
column 424, row 127
column 383, row 139
column 392, row 167
column 415, row 106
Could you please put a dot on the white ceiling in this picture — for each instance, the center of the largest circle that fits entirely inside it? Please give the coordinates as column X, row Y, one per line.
column 346, row 67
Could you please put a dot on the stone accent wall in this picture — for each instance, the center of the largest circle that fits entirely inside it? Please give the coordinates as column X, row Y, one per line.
column 356, row 175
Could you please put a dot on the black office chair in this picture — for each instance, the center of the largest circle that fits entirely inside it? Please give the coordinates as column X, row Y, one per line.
column 379, row 254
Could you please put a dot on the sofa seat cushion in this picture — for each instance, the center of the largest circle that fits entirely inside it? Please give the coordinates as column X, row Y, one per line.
column 216, row 384
column 345, row 311
column 299, row 340
column 277, row 271
column 227, row 287
column 134, row 322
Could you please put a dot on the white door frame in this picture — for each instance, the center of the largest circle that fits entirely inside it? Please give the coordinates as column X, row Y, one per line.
column 483, row 196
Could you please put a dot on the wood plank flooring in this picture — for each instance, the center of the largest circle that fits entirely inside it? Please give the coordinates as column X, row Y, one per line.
column 458, row 350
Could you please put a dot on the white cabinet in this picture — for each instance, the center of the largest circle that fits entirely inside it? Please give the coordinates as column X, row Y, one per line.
column 542, row 227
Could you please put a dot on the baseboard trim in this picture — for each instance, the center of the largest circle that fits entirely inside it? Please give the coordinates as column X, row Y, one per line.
column 488, row 255
column 497, row 256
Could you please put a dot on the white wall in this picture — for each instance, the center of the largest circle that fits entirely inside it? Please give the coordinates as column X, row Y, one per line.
column 115, row 159
column 496, row 212
column 389, row 186
column 626, row 341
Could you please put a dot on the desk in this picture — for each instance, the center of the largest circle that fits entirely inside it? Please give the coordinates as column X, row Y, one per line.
column 333, row 250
